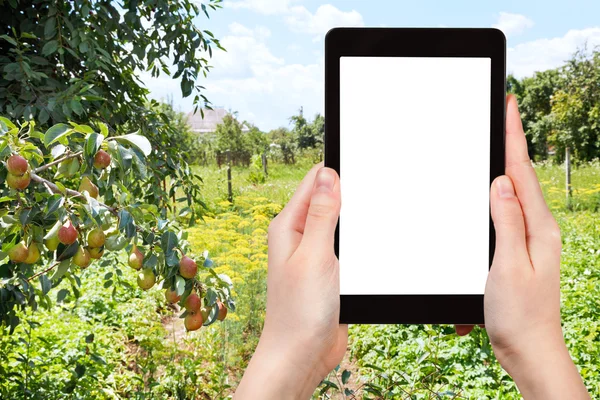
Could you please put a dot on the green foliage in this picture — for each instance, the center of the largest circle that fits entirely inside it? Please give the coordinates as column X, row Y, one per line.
column 231, row 140
column 126, row 207
column 82, row 59
column 561, row 108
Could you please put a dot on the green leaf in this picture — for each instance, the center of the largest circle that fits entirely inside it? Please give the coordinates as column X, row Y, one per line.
column 345, row 376
column 168, row 241
column 56, row 132
column 9, row 39
column 52, row 232
column 54, row 203
column 179, row 285
column 27, row 35
column 66, row 252
column 45, row 283
column 60, row 296
column 138, row 141
column 49, row 48
column 82, row 128
column 50, row 28
column 103, row 128
column 92, row 144
column 89, row 338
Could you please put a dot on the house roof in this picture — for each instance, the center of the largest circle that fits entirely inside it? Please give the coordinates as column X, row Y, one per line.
column 209, row 123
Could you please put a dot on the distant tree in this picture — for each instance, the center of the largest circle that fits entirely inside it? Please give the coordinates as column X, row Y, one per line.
column 576, row 108
column 534, row 95
column 284, row 141
column 230, row 138
column 303, row 132
column 257, row 141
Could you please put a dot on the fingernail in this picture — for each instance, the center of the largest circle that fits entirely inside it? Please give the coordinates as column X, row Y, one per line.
column 325, row 179
column 505, row 188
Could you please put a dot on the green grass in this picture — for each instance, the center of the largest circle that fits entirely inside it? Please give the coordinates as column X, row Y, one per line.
column 139, row 350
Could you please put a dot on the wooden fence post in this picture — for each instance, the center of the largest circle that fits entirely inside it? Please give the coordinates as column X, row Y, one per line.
column 568, row 176
column 264, row 163
column 229, row 189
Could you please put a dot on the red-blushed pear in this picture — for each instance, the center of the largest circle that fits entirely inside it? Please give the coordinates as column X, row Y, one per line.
column 18, row 182
column 17, row 165
column 101, row 159
column 96, row 237
column 52, row 243
column 67, row 234
column 96, row 252
column 192, row 303
column 18, row 253
column 146, row 279
column 87, row 185
column 82, row 258
column 187, row 267
column 193, row 321
column 205, row 312
column 135, row 258
column 222, row 311
column 33, row 254
column 171, row 296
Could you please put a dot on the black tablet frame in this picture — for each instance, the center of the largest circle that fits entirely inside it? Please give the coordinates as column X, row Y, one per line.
column 415, row 42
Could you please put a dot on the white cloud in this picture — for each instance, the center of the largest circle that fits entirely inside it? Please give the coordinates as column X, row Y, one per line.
column 538, row 55
column 325, row 18
column 513, row 24
column 267, row 7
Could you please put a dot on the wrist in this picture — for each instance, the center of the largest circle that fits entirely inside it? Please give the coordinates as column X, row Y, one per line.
column 279, row 371
column 543, row 369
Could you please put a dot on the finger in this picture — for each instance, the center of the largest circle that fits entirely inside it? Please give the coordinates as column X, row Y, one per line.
column 285, row 231
column 323, row 213
column 511, row 244
column 462, row 330
column 538, row 219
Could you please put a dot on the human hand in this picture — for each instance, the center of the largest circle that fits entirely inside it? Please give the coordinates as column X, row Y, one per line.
column 302, row 340
column 522, row 294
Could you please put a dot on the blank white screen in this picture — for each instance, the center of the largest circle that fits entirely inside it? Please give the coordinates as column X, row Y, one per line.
column 414, row 160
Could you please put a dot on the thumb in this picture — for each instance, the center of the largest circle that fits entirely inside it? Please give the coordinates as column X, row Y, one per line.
column 508, row 220
column 323, row 213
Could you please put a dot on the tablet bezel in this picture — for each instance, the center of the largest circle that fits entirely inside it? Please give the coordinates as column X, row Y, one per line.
column 415, row 42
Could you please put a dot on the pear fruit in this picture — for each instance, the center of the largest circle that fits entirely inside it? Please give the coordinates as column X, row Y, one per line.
column 187, row 267
column 193, row 321
column 96, row 237
column 171, row 296
column 96, row 252
column 33, row 254
column 135, row 258
column 17, row 165
column 205, row 312
column 222, row 311
column 146, row 279
column 52, row 243
column 192, row 303
column 18, row 253
column 18, row 182
column 87, row 185
column 101, row 159
column 82, row 258
column 67, row 234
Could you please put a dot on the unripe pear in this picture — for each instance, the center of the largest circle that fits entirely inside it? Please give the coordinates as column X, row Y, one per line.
column 87, row 185
column 52, row 243
column 33, row 254
column 67, row 234
column 135, row 258
column 171, row 296
column 146, row 279
column 18, row 253
column 187, row 267
column 222, row 311
column 82, row 258
column 96, row 252
column 192, row 303
column 17, row 165
column 18, row 182
column 193, row 321
column 96, row 238
column 101, row 159
column 205, row 312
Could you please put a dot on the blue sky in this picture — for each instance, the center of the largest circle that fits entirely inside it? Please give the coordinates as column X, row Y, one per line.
column 274, row 59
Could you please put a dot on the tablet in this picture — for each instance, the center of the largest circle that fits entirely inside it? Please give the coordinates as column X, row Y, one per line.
column 414, row 125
